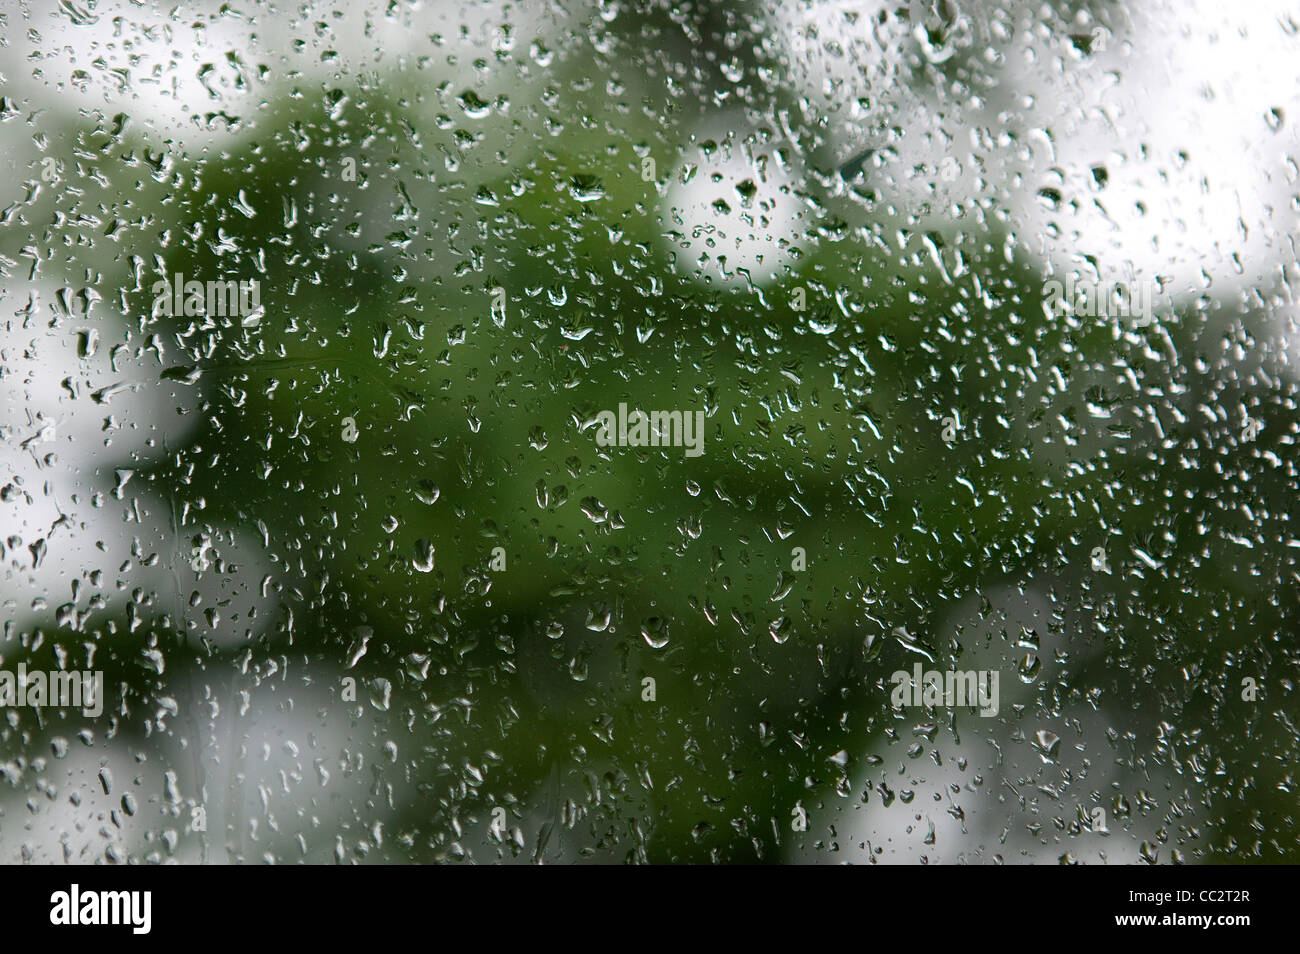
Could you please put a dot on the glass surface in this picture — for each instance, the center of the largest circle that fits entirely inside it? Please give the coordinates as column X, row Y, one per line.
column 648, row 432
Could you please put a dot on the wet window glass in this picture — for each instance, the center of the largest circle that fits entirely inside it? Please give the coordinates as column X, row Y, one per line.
column 612, row 432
